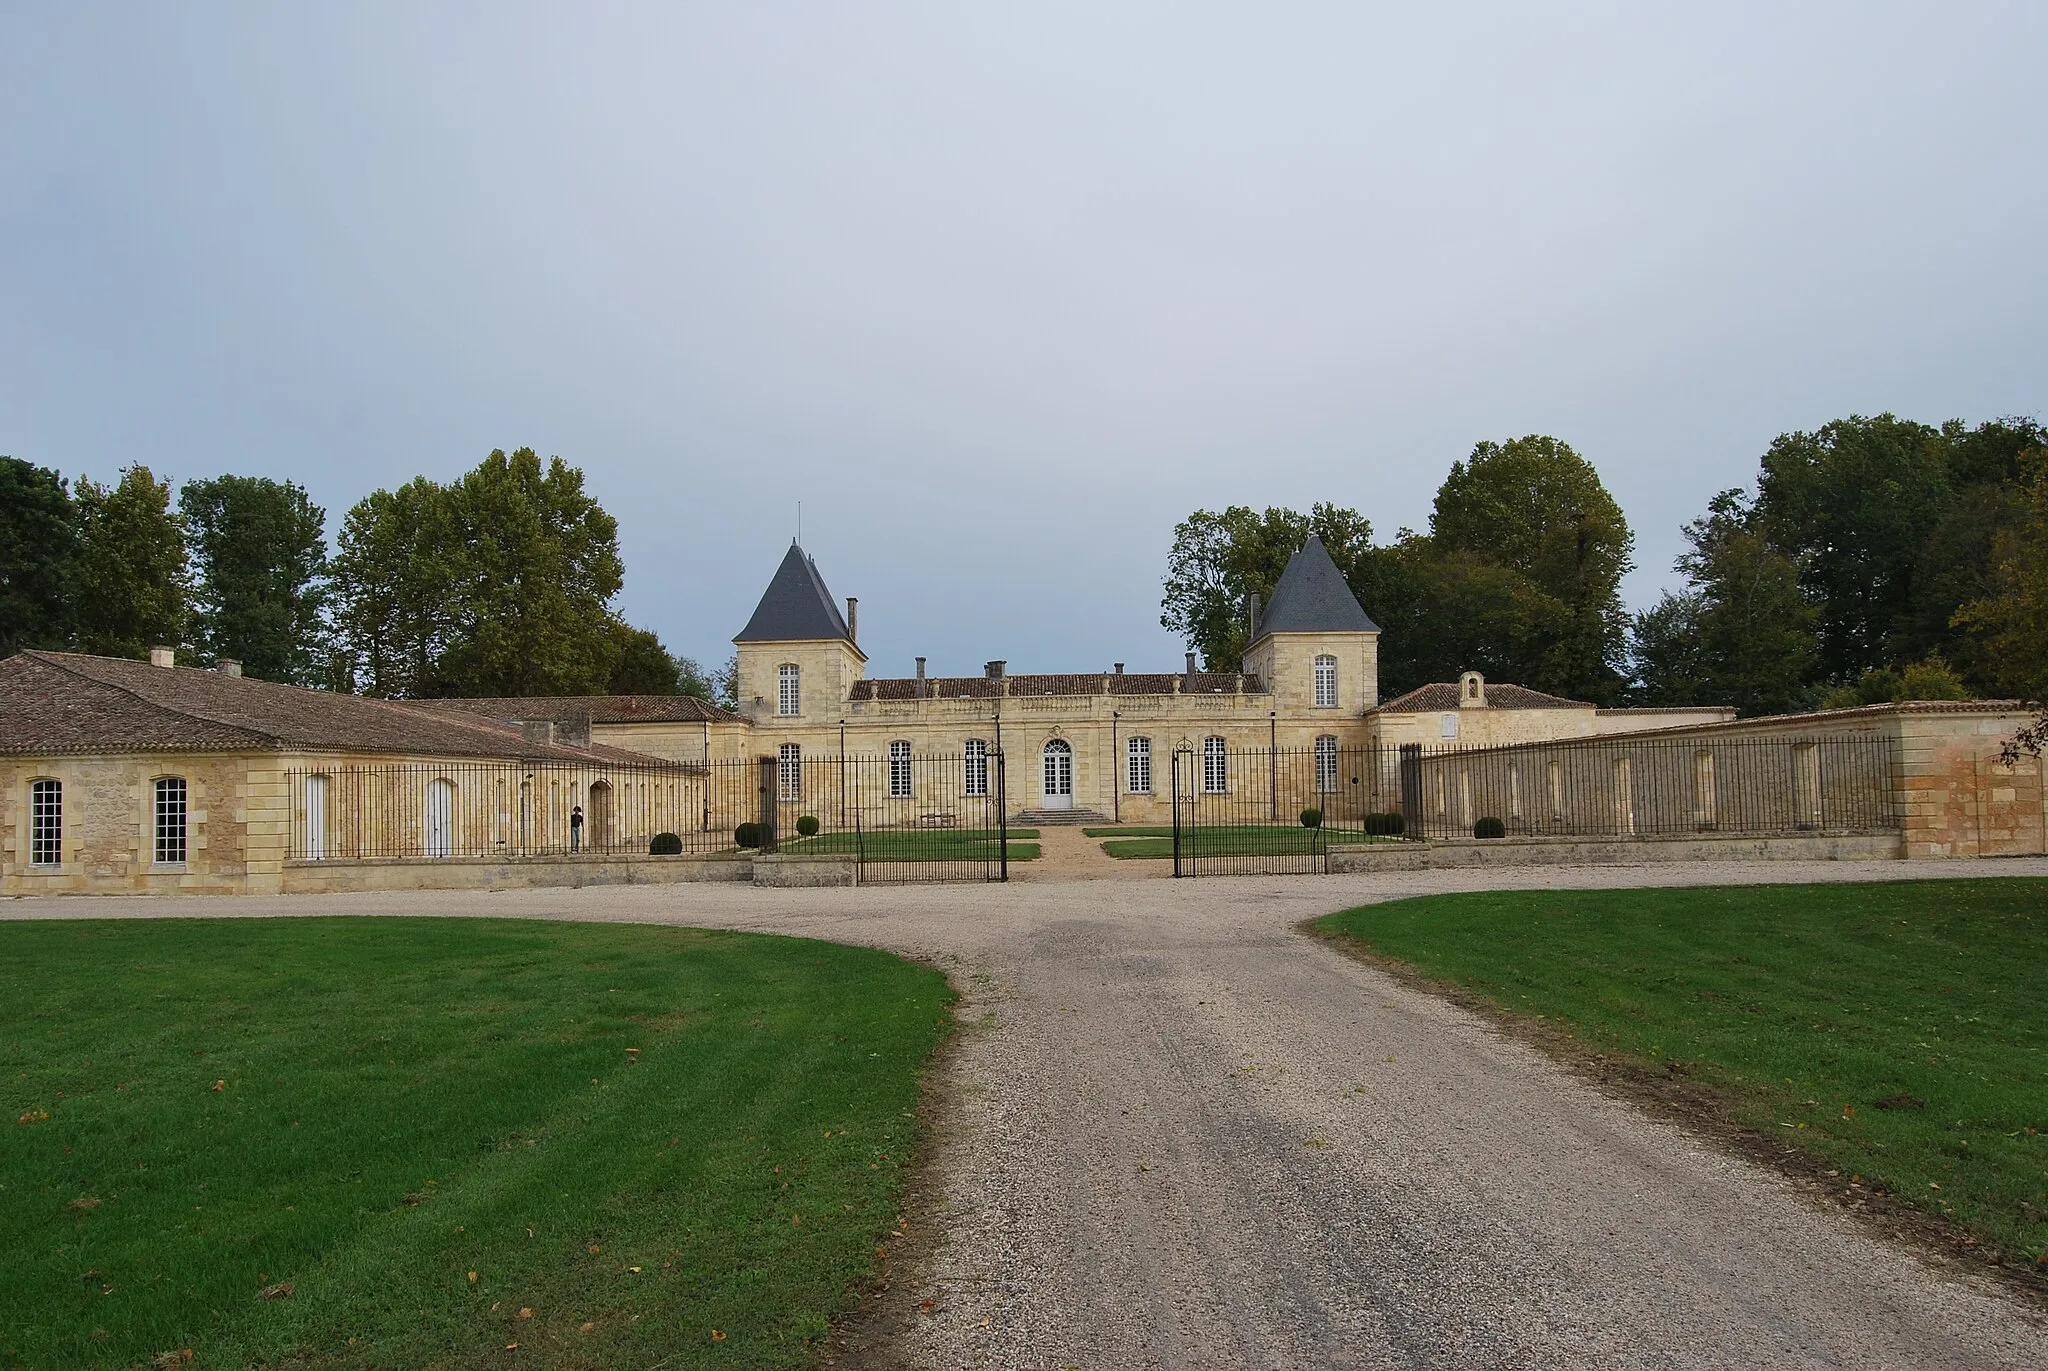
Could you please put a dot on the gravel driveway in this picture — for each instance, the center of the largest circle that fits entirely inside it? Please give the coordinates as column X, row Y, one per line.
column 1185, row 1135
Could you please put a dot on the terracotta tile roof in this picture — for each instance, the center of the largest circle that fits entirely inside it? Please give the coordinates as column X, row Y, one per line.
column 61, row 703
column 598, row 709
column 986, row 687
column 1443, row 695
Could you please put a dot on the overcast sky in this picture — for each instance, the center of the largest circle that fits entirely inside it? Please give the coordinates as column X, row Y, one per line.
column 1001, row 293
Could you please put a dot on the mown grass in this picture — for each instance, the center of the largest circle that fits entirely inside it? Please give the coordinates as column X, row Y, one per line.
column 1898, row 1032
column 920, row 845
column 1142, row 842
column 430, row 1127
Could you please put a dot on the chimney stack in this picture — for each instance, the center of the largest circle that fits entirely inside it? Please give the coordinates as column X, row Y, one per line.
column 537, row 730
column 1191, row 664
column 996, row 669
column 1119, row 668
column 163, row 656
column 920, row 678
column 853, row 620
column 228, row 666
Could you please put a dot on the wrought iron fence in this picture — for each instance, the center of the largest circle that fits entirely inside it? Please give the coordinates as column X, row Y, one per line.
column 1275, row 811
column 902, row 818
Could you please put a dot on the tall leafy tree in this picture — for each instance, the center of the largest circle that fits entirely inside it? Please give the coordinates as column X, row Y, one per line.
column 131, row 591
column 261, row 560
column 38, row 545
column 393, row 587
column 1742, row 634
column 1446, row 612
column 693, row 680
column 1219, row 558
column 643, row 666
column 1853, row 504
column 1537, row 508
column 2012, row 620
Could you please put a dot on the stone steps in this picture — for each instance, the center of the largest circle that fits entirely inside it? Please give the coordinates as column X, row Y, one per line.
column 1057, row 818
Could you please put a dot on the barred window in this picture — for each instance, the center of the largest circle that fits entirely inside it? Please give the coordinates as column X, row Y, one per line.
column 789, row 689
column 789, row 771
column 170, row 820
column 1215, row 766
column 1138, row 768
column 46, row 823
column 899, row 770
column 1326, row 764
column 977, row 767
column 1326, row 682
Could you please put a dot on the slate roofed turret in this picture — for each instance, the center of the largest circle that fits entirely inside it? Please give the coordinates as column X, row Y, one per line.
column 1312, row 597
column 796, row 606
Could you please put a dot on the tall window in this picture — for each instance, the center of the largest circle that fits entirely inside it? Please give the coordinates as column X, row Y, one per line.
column 899, row 770
column 1326, row 763
column 789, row 693
column 170, row 821
column 45, row 823
column 789, row 771
column 977, row 767
column 1215, row 766
column 1138, row 766
column 1326, row 682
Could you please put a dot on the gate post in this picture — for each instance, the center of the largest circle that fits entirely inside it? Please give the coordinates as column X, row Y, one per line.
column 1002, row 815
column 1411, row 789
column 1176, row 815
column 770, row 792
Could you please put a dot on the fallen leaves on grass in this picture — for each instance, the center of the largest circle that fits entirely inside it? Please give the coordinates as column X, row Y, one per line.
column 219, row 1086
column 472, row 1278
column 85, row 1202
column 280, row 1291
column 165, row 1361
column 34, row 1116
column 525, row 1313
column 717, row 1336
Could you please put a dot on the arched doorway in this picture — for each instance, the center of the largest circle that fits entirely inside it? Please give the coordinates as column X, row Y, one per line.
column 600, row 836
column 1059, row 775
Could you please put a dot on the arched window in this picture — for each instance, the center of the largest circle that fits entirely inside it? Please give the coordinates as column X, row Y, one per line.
column 1138, row 766
column 1326, row 763
column 976, row 767
column 1215, row 766
column 170, row 820
column 45, row 823
column 789, row 771
column 789, row 695
column 899, row 770
column 1326, row 682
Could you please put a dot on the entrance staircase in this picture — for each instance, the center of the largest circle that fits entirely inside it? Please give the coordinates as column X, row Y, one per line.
column 1055, row 818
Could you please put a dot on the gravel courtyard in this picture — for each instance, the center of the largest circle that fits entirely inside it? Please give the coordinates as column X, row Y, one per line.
column 1184, row 1134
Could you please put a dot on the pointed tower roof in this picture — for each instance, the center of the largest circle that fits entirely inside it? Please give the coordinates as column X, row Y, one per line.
column 795, row 606
column 1312, row 597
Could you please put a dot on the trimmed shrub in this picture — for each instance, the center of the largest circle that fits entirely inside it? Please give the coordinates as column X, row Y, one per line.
column 747, row 834
column 1311, row 817
column 665, row 845
column 807, row 826
column 1392, row 824
column 1489, row 827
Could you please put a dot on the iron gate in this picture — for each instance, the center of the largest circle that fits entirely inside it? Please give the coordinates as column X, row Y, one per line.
column 1260, row 812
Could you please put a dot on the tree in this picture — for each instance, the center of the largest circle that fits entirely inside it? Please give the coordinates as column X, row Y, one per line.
column 2013, row 619
column 1220, row 558
column 38, row 546
column 392, row 587
column 261, row 555
column 1932, row 679
column 693, row 680
column 130, row 593
column 1742, row 635
column 1537, row 508
column 1446, row 612
column 1853, row 504
column 643, row 666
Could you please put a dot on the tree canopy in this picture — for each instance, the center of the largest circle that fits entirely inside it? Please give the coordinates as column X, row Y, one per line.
column 38, row 547
column 1218, row 559
column 260, row 555
column 131, row 591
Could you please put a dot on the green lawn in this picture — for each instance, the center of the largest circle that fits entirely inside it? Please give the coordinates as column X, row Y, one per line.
column 920, row 845
column 426, row 1128
column 1226, row 840
column 1896, row 1031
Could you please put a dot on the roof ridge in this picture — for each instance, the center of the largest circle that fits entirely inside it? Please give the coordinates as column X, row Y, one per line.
column 270, row 739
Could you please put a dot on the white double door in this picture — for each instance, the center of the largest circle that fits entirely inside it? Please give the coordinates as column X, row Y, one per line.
column 1059, row 775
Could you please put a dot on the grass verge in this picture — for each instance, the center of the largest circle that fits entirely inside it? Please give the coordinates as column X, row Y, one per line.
column 920, row 845
column 1894, row 1034
column 449, row 1143
column 1222, row 840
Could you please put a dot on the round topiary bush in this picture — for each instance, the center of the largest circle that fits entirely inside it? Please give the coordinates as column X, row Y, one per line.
column 747, row 834
column 1489, row 827
column 665, row 845
column 1311, row 817
column 1391, row 824
column 807, row 826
